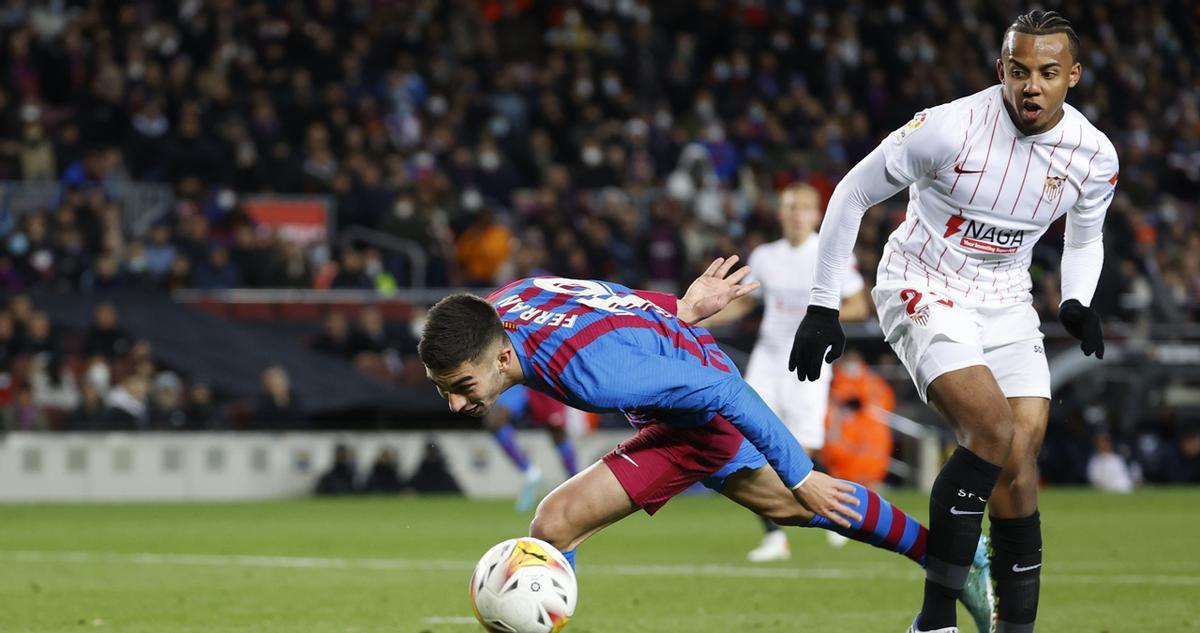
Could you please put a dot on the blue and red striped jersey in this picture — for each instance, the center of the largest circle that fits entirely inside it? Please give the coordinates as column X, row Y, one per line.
column 600, row 346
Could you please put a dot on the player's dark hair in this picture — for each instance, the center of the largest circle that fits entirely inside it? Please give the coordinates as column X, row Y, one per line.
column 1039, row 22
column 458, row 329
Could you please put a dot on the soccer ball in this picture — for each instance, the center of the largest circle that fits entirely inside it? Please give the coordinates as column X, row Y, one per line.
column 523, row 585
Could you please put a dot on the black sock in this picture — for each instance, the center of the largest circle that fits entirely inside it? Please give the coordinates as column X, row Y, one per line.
column 1017, row 571
column 956, row 507
column 769, row 525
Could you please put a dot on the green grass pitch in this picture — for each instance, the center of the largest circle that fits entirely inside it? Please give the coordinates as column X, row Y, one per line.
column 1113, row 564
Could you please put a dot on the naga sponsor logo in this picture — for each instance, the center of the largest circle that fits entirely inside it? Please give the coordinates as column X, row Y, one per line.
column 984, row 237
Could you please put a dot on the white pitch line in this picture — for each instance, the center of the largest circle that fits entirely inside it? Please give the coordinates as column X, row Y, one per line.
column 450, row 619
column 396, row 564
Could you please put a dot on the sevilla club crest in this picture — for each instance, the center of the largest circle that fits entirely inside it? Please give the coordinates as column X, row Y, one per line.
column 1053, row 187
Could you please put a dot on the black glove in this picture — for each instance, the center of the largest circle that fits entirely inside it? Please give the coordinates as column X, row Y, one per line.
column 820, row 330
column 1083, row 323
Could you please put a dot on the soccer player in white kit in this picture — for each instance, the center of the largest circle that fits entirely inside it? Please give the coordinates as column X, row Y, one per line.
column 785, row 267
column 986, row 176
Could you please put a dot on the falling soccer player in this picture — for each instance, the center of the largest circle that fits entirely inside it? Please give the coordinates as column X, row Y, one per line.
column 601, row 347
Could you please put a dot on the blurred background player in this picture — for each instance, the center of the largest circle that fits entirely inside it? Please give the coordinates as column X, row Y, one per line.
column 858, row 440
column 784, row 268
column 543, row 411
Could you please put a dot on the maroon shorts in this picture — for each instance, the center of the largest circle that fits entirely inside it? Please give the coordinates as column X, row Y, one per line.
column 662, row 461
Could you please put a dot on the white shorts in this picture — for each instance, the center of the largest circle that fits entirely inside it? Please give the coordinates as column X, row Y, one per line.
column 801, row 405
column 934, row 334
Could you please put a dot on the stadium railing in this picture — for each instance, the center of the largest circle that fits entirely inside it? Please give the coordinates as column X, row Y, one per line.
column 142, row 203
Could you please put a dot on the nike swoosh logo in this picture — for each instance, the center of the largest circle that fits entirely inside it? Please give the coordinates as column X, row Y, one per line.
column 1017, row 568
column 954, row 510
column 959, row 170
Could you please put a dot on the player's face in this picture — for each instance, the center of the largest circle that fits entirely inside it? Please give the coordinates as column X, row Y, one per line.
column 472, row 388
column 1037, row 71
column 799, row 213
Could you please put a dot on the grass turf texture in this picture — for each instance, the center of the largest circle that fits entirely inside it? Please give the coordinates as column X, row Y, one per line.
column 401, row 566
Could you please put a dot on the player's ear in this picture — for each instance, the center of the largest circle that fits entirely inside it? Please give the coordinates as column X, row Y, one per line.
column 1000, row 69
column 1076, row 72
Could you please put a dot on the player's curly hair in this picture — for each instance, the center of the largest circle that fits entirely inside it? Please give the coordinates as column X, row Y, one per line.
column 1039, row 22
column 458, row 329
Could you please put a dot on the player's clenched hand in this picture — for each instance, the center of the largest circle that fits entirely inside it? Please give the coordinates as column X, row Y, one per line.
column 1083, row 323
column 714, row 290
column 819, row 331
column 831, row 498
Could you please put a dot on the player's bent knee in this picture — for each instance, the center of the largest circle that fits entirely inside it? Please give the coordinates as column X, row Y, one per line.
column 989, row 436
column 1023, row 485
column 553, row 528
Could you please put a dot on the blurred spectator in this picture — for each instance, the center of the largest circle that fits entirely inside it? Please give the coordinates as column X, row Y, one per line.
column 23, row 414
column 335, row 338
column 858, row 443
column 277, row 408
column 217, row 272
column 160, row 252
column 384, row 477
column 352, row 272
column 289, row 267
column 1106, row 470
column 127, row 405
column 89, row 415
column 167, row 411
column 105, row 337
column 10, row 345
column 1189, row 448
column 40, row 339
column 433, row 475
column 37, row 154
column 248, row 258
column 201, row 411
column 52, row 384
column 372, row 335
column 341, row 478
column 483, row 250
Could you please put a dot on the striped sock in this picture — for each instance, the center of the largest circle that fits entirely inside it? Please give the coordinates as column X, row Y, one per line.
column 883, row 525
column 570, row 556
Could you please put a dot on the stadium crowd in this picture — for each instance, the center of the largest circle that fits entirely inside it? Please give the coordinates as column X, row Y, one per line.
column 626, row 140
column 621, row 139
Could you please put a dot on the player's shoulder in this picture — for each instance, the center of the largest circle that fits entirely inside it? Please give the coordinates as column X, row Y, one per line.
column 939, row 129
column 1092, row 137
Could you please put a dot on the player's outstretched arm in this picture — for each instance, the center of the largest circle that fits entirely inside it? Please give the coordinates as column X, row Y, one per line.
column 715, row 289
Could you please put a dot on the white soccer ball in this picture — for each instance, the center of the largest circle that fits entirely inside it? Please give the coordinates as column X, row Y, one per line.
column 523, row 585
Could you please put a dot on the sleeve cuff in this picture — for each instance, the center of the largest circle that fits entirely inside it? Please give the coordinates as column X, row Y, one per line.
column 802, row 481
column 825, row 297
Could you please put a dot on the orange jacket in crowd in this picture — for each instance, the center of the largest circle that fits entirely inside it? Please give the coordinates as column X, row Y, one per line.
column 858, row 442
column 482, row 251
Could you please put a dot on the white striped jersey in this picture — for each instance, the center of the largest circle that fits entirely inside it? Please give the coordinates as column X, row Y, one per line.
column 982, row 193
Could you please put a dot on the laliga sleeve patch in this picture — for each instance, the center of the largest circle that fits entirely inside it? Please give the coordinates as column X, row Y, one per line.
column 917, row 121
